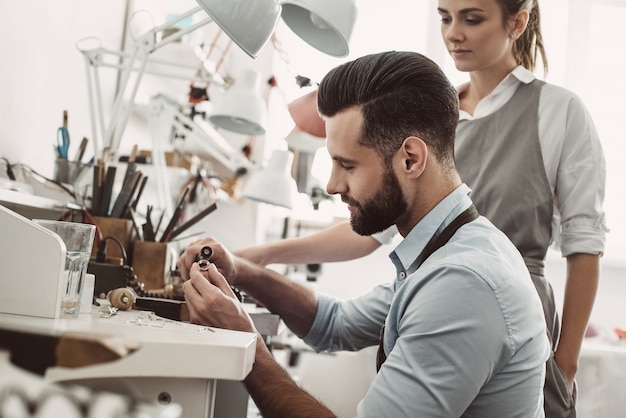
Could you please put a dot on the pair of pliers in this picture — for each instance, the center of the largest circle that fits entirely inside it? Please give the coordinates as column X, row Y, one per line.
column 148, row 227
column 63, row 139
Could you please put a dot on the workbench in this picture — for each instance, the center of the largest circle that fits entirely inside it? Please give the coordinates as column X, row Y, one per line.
column 136, row 353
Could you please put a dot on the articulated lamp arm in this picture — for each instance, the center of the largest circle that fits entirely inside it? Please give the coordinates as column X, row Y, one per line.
column 248, row 23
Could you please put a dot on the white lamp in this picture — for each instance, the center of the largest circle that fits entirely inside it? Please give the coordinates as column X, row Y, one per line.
column 241, row 109
column 274, row 183
column 324, row 24
column 248, row 23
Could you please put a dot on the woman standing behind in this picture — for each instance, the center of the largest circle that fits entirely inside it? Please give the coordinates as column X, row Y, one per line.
column 531, row 154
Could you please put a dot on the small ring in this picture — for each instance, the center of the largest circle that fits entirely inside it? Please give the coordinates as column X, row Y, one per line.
column 204, row 264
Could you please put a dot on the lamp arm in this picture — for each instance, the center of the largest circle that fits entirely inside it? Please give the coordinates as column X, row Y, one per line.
column 145, row 45
column 94, row 107
column 101, row 52
column 211, row 141
column 178, row 34
column 119, row 121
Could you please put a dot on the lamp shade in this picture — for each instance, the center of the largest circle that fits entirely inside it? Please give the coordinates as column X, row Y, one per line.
column 274, row 183
column 303, row 111
column 248, row 23
column 326, row 25
column 241, row 109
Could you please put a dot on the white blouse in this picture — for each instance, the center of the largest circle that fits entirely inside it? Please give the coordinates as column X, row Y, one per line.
column 573, row 159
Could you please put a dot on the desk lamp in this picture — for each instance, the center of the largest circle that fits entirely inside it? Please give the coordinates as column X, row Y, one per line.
column 241, row 109
column 273, row 184
column 326, row 25
column 248, row 23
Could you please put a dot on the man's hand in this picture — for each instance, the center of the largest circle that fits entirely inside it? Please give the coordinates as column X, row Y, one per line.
column 221, row 257
column 211, row 301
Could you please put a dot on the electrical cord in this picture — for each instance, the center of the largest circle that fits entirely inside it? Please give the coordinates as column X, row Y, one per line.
column 101, row 256
column 9, row 169
column 57, row 183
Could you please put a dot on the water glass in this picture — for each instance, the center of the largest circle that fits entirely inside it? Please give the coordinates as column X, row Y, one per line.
column 78, row 239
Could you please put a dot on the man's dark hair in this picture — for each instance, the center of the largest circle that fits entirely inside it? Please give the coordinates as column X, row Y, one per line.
column 400, row 94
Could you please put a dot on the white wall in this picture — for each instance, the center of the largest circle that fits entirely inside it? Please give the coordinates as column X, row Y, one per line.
column 43, row 74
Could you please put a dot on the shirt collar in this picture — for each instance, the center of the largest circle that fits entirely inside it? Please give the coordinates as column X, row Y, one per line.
column 522, row 74
column 500, row 95
column 434, row 222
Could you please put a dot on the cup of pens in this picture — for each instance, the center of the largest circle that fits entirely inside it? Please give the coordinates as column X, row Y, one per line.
column 67, row 172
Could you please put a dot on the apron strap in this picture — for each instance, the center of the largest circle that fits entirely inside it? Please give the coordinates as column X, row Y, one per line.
column 439, row 241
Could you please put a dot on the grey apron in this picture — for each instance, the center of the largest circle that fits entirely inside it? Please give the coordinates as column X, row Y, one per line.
column 500, row 158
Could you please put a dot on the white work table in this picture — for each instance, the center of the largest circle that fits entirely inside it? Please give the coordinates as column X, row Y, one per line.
column 601, row 379
column 161, row 360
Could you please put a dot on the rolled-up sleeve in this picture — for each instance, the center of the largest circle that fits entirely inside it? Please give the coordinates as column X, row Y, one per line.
column 350, row 325
column 573, row 147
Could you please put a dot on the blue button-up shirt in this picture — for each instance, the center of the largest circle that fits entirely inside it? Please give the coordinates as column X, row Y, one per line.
column 464, row 334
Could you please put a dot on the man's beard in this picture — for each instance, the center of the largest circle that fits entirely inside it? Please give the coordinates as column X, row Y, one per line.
column 382, row 210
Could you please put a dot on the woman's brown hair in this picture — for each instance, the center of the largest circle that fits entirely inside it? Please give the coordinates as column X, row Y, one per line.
column 530, row 42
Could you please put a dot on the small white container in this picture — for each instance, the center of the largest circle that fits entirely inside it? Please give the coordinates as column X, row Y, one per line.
column 86, row 301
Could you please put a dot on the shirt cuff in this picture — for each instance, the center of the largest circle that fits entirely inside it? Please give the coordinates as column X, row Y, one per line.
column 583, row 237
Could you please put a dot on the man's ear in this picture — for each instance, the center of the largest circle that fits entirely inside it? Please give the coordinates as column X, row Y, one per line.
column 414, row 155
